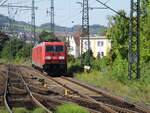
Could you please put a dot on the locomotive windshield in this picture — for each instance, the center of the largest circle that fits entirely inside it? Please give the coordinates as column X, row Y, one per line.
column 58, row 48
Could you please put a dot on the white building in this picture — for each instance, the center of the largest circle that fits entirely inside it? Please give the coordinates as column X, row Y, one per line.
column 98, row 44
column 74, row 47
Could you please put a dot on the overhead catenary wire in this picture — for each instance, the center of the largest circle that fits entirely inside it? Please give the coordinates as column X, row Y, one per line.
column 108, row 7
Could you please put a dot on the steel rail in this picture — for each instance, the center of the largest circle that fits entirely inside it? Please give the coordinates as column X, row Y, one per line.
column 97, row 90
column 32, row 97
column 118, row 109
column 63, row 102
column 105, row 94
column 30, row 93
column 108, row 107
column 102, row 105
column 5, row 94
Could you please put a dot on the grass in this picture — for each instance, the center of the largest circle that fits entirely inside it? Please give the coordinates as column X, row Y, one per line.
column 39, row 110
column 3, row 110
column 15, row 61
column 70, row 108
column 137, row 91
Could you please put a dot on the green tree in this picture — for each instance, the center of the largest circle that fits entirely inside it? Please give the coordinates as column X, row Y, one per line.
column 15, row 48
column 3, row 39
column 145, row 32
column 119, row 33
column 25, row 51
column 47, row 37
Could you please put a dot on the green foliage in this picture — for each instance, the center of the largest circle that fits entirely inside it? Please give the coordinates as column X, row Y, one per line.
column 47, row 37
column 103, row 31
column 71, row 58
column 12, row 48
column 85, row 57
column 115, row 79
column 16, row 50
column 145, row 32
column 120, row 70
column 70, row 108
column 100, row 64
column 39, row 110
column 116, row 82
column 3, row 110
column 25, row 51
column 119, row 33
column 20, row 110
column 74, row 67
column 3, row 39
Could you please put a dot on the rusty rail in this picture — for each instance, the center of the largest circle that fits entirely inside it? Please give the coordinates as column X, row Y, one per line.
column 62, row 102
column 5, row 94
column 28, row 90
column 33, row 98
column 118, row 109
column 107, row 107
column 105, row 94
column 102, row 105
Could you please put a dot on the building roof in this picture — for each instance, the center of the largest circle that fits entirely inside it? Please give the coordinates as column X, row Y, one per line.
column 77, row 36
column 97, row 37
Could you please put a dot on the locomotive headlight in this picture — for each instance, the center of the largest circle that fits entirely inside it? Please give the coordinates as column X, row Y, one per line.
column 47, row 57
column 61, row 57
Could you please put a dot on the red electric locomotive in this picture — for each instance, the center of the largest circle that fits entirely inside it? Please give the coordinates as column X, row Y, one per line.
column 50, row 57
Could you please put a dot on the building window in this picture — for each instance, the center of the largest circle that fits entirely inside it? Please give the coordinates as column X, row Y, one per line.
column 86, row 43
column 100, row 43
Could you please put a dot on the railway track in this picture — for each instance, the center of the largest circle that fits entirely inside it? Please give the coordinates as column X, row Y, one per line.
column 109, row 103
column 17, row 92
column 59, row 99
column 121, row 102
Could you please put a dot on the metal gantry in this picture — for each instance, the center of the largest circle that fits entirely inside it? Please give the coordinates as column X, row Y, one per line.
column 33, row 22
column 32, row 8
column 85, row 38
column 52, row 16
column 52, row 21
column 134, row 40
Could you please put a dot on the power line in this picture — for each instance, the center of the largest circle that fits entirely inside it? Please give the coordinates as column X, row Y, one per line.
column 108, row 7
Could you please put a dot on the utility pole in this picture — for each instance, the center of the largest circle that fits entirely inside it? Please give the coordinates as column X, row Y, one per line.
column 85, row 28
column 134, row 40
column 52, row 16
column 33, row 22
column 85, row 38
column 16, row 6
column 51, row 13
column 10, row 29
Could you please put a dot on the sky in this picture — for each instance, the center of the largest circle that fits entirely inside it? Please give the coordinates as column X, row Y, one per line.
column 67, row 12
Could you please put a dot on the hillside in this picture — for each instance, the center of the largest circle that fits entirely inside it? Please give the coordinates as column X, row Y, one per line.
column 21, row 26
column 94, row 29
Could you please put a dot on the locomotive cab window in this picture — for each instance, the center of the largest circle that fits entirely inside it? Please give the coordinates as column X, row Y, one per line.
column 58, row 48
column 50, row 49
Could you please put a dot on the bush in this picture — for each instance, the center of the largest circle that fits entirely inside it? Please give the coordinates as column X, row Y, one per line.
column 120, row 70
column 20, row 110
column 3, row 110
column 39, row 110
column 70, row 108
column 100, row 64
